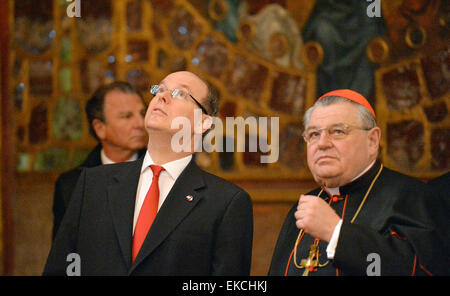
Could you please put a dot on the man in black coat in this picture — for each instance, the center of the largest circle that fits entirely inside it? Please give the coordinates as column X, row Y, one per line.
column 364, row 219
column 116, row 119
column 203, row 225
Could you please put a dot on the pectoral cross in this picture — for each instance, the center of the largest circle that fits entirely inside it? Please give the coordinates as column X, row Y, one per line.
column 311, row 263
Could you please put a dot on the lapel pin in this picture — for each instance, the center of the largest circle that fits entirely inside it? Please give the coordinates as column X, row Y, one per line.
column 189, row 198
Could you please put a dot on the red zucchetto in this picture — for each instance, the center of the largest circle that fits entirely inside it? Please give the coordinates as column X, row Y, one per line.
column 352, row 96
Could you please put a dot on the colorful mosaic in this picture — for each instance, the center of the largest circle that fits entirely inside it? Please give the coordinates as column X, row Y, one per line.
column 266, row 58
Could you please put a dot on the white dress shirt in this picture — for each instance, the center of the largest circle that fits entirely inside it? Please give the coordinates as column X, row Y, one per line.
column 331, row 248
column 167, row 178
column 106, row 160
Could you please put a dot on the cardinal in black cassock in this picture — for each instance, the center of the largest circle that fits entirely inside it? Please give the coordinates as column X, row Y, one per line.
column 389, row 223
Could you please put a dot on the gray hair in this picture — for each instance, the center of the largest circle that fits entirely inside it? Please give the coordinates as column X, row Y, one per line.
column 365, row 116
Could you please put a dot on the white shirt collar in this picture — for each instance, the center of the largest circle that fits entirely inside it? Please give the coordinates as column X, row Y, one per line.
column 173, row 168
column 335, row 190
column 106, row 160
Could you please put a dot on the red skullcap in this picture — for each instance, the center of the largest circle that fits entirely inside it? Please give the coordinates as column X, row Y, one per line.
column 352, row 96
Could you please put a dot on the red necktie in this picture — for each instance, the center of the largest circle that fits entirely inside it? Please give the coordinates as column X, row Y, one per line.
column 147, row 213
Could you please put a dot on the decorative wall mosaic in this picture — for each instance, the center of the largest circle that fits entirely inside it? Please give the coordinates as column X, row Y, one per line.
column 266, row 58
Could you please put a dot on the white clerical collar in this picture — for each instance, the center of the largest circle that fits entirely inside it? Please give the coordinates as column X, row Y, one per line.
column 106, row 160
column 335, row 190
column 173, row 168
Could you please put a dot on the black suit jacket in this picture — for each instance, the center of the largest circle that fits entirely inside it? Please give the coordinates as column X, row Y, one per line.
column 210, row 235
column 65, row 184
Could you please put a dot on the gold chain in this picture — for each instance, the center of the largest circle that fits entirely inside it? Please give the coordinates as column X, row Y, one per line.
column 353, row 219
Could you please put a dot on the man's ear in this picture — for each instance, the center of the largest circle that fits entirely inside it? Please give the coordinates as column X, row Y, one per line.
column 99, row 128
column 374, row 136
column 206, row 123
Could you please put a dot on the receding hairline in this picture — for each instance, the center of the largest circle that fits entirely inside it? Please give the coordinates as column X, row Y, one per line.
column 205, row 84
column 188, row 73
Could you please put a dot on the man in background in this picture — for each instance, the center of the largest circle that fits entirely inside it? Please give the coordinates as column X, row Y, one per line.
column 115, row 113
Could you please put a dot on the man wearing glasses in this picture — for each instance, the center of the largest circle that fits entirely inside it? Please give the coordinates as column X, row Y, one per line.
column 365, row 219
column 160, row 215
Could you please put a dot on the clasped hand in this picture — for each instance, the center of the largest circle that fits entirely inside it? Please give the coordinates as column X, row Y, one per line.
column 316, row 217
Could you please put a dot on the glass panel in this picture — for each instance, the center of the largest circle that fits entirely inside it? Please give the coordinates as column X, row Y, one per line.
column 37, row 127
column 65, row 79
column 95, row 27
column 41, row 78
column 33, row 25
column 67, row 120
column 401, row 87
column 137, row 51
column 440, row 149
column 162, row 6
column 405, row 142
column 51, row 159
column 66, row 49
column 436, row 112
column 139, row 79
column 211, row 57
column 23, row 162
column 292, row 147
column 184, row 29
column 162, row 59
column 435, row 69
column 20, row 134
column 17, row 67
column 134, row 15
column 288, row 93
column 18, row 95
column 92, row 75
column 246, row 78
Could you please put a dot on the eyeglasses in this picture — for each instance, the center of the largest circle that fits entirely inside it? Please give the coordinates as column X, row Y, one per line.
column 334, row 132
column 176, row 93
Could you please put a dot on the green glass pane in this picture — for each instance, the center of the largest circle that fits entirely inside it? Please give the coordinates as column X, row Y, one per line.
column 23, row 162
column 67, row 120
column 51, row 159
column 65, row 79
column 66, row 50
